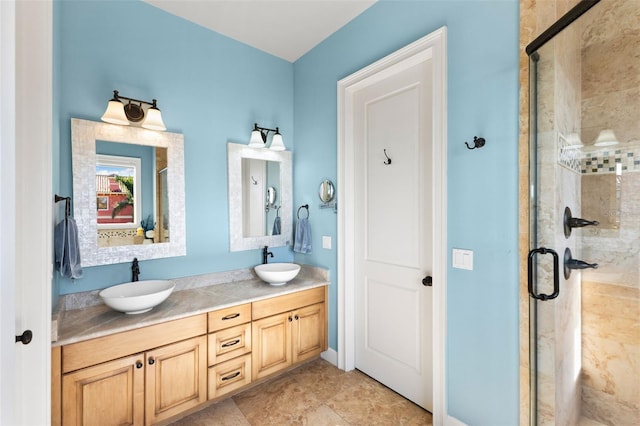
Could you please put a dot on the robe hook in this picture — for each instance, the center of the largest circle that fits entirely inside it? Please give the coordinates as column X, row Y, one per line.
column 477, row 143
column 388, row 159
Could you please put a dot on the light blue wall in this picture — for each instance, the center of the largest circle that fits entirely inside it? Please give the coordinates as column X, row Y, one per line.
column 209, row 87
column 482, row 308
column 213, row 89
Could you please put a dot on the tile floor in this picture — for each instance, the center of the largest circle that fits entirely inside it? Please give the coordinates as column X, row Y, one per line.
column 315, row 394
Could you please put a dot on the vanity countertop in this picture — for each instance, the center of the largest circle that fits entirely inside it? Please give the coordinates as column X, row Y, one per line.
column 90, row 322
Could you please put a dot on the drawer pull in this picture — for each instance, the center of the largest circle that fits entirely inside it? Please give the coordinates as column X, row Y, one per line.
column 231, row 376
column 230, row 316
column 227, row 344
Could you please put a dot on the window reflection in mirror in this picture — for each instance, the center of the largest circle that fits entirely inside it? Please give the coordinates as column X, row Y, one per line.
column 131, row 194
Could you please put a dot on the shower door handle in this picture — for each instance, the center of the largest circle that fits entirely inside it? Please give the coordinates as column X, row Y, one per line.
column 556, row 274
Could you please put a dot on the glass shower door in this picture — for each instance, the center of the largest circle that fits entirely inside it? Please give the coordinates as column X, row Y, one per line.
column 584, row 262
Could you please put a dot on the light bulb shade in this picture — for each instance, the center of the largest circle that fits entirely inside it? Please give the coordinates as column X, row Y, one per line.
column 276, row 143
column 153, row 120
column 256, row 139
column 115, row 113
column 606, row 138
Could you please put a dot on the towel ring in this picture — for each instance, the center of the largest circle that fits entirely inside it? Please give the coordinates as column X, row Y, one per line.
column 304, row 206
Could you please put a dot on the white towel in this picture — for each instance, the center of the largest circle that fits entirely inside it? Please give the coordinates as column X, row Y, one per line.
column 302, row 243
column 67, row 250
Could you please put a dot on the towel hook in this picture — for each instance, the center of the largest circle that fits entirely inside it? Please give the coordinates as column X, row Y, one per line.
column 304, row 206
column 253, row 181
column 477, row 143
column 388, row 161
column 67, row 205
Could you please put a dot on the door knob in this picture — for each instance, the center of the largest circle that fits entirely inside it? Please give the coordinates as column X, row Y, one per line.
column 427, row 281
column 25, row 337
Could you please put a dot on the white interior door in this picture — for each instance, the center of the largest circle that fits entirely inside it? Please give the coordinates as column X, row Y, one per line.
column 393, row 235
column 26, row 213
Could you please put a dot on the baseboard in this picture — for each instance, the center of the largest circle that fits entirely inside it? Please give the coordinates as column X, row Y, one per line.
column 330, row 356
column 452, row 421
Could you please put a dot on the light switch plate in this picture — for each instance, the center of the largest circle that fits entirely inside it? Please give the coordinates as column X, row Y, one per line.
column 326, row 242
column 462, row 259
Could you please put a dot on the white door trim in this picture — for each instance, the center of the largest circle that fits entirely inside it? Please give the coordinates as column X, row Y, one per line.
column 432, row 46
column 26, row 118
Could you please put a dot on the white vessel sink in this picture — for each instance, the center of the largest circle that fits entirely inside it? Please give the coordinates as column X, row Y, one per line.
column 138, row 296
column 277, row 273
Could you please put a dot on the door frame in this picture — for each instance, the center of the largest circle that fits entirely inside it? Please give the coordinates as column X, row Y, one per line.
column 27, row 227
column 431, row 47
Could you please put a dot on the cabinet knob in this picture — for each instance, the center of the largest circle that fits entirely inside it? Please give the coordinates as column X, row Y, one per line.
column 152, row 361
column 427, row 281
column 290, row 319
column 296, row 317
column 139, row 364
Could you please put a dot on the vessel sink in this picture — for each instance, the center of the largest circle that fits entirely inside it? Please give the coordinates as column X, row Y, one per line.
column 138, row 296
column 277, row 273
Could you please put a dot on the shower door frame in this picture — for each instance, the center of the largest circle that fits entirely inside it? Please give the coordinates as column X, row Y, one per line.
column 528, row 178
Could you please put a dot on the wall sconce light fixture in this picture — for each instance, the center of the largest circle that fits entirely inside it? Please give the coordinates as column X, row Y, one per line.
column 119, row 113
column 259, row 138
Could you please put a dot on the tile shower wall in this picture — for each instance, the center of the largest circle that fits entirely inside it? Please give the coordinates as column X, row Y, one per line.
column 611, row 293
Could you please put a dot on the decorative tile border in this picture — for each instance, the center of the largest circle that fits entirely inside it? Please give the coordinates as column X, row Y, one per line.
column 568, row 156
column 607, row 161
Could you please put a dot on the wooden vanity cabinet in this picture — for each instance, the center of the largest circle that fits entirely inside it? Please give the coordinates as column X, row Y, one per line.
column 229, row 354
column 287, row 330
column 144, row 387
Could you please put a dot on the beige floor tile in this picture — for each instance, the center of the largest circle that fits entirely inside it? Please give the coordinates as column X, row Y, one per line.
column 314, row 394
column 224, row 413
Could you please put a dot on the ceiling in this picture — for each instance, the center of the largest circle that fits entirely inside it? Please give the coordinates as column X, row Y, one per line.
column 284, row 28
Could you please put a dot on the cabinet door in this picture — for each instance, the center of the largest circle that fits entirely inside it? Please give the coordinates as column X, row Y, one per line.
column 111, row 393
column 308, row 332
column 271, row 350
column 176, row 378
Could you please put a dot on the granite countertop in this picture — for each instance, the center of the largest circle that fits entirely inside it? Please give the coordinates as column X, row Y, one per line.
column 192, row 296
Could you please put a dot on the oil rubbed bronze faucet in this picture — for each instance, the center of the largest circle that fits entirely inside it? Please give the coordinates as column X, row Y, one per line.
column 266, row 253
column 135, row 269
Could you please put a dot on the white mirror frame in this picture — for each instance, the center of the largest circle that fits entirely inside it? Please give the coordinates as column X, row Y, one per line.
column 237, row 241
column 84, row 134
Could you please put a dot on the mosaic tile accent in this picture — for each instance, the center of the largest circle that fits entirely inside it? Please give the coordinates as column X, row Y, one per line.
column 607, row 161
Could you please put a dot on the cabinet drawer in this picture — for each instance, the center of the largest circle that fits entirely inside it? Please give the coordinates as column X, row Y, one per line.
column 228, row 317
column 101, row 349
column 229, row 376
column 288, row 302
column 229, row 343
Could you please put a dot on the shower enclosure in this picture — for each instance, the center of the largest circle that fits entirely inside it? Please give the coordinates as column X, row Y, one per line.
column 584, row 263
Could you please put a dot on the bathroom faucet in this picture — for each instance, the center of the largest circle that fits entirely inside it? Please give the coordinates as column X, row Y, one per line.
column 266, row 253
column 135, row 269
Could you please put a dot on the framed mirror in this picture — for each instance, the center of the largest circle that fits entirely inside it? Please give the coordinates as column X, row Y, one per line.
column 128, row 192
column 255, row 177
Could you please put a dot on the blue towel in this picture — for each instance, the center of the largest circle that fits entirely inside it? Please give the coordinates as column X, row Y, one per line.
column 302, row 243
column 276, row 226
column 67, row 249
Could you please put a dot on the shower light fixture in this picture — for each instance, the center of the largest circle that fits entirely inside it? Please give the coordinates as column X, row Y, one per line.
column 119, row 113
column 259, row 138
column 606, row 138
